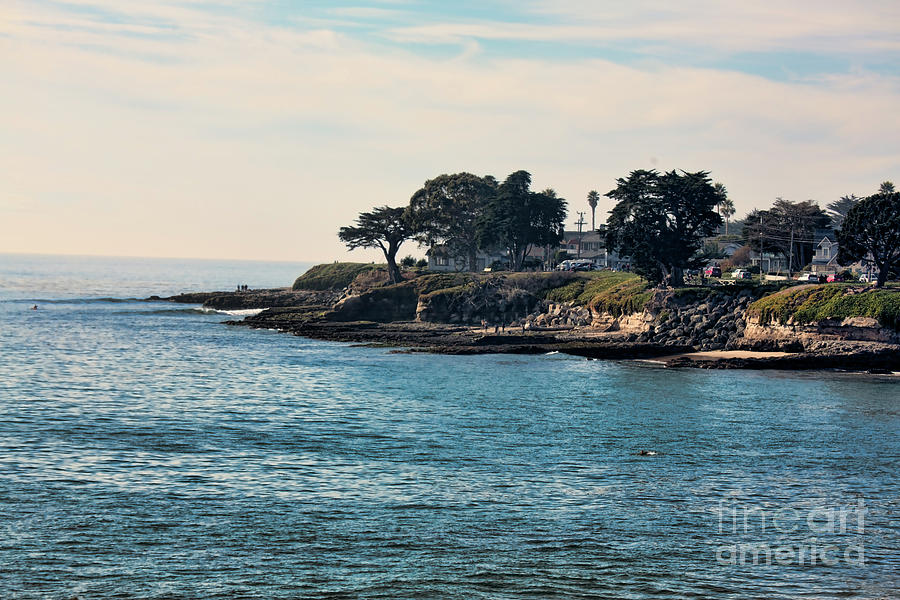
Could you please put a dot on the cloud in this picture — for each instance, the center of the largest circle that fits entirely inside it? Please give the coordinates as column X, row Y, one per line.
column 661, row 29
column 367, row 12
column 214, row 134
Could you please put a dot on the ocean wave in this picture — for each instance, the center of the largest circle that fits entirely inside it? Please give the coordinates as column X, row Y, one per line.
column 71, row 300
column 246, row 312
column 196, row 310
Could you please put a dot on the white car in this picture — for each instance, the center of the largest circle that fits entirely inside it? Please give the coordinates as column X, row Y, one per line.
column 809, row 278
column 866, row 278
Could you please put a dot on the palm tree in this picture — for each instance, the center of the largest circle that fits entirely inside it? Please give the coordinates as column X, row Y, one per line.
column 724, row 206
column 593, row 198
column 887, row 187
column 727, row 210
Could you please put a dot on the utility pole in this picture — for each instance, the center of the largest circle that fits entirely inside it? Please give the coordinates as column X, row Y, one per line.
column 580, row 222
column 791, row 257
column 761, row 249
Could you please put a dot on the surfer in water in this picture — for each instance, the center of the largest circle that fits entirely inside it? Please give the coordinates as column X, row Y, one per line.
column 34, row 307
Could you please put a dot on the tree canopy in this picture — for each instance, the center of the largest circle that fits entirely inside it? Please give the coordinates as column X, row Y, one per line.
column 518, row 219
column 446, row 212
column 660, row 220
column 725, row 206
column 838, row 209
column 788, row 228
column 384, row 227
column 871, row 230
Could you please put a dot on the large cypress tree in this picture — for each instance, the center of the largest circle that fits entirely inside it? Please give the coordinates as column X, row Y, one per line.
column 871, row 229
column 385, row 228
column 660, row 220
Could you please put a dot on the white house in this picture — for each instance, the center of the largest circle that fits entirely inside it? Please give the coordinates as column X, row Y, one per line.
column 826, row 253
column 439, row 260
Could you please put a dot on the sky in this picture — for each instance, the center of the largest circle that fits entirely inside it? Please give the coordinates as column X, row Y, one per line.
column 254, row 129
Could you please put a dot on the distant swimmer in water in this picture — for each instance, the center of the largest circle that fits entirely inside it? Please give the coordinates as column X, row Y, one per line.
column 34, row 307
column 646, row 453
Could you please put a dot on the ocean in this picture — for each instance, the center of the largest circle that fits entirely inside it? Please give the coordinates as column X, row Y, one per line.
column 147, row 450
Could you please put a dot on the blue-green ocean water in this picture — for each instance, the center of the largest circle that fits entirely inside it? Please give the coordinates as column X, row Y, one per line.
column 148, row 451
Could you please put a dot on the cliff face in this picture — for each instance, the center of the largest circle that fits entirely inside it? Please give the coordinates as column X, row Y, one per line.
column 861, row 329
column 382, row 305
column 724, row 323
column 704, row 319
column 711, row 323
column 599, row 308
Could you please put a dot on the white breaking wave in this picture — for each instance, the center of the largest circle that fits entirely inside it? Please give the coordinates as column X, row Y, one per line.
column 244, row 312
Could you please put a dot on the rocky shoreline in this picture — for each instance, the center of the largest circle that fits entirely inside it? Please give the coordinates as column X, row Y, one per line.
column 678, row 333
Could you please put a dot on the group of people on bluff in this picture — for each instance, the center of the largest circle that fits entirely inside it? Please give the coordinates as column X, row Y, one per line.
column 243, row 288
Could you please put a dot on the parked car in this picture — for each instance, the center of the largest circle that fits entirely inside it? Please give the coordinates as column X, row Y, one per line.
column 741, row 274
column 867, row 278
column 713, row 271
column 580, row 264
column 834, row 278
column 809, row 278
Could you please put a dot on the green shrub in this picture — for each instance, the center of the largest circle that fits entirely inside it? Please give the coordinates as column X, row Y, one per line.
column 540, row 284
column 332, row 276
column 567, row 293
column 440, row 281
column 604, row 281
column 616, row 293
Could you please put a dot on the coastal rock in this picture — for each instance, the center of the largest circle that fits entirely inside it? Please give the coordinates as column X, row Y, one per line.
column 381, row 304
column 251, row 299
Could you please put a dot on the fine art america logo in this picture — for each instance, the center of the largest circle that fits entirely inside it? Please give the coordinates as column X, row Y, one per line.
column 788, row 535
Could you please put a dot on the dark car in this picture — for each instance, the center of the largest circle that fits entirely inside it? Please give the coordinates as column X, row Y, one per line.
column 713, row 271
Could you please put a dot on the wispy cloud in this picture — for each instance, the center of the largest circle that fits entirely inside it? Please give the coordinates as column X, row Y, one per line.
column 214, row 129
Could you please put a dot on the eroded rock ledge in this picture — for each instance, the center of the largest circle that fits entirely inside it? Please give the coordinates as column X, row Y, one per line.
column 417, row 318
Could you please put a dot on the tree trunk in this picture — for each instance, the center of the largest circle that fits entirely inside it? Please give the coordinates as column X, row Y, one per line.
column 391, row 256
column 677, row 277
column 882, row 275
column 518, row 256
column 473, row 260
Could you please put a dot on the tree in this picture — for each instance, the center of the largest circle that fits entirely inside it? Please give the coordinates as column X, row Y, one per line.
column 725, row 206
column 741, row 256
column 886, row 187
column 408, row 261
column 838, row 209
column 871, row 231
column 386, row 228
column 788, row 228
column 727, row 210
column 518, row 219
column 660, row 220
column 593, row 198
column 446, row 212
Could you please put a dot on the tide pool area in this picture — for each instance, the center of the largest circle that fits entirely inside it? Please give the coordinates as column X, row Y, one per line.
column 149, row 451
